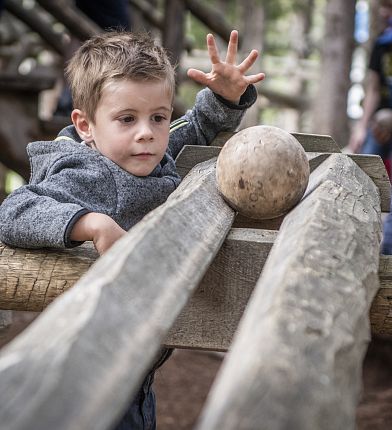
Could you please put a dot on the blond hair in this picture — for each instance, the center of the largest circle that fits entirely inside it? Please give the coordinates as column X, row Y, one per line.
column 113, row 56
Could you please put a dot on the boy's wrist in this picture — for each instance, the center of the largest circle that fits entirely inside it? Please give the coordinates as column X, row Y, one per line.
column 246, row 100
column 89, row 226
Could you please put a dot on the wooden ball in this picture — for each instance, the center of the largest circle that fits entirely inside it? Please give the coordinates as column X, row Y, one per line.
column 262, row 172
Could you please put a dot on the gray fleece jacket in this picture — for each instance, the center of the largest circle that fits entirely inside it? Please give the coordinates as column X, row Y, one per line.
column 69, row 179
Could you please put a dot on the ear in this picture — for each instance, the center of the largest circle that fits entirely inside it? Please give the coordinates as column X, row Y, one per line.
column 82, row 125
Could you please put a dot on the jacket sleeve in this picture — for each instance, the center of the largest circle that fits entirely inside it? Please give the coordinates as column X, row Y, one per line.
column 210, row 115
column 43, row 214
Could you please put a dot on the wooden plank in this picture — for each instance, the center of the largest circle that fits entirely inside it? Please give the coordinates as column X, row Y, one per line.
column 79, row 363
column 372, row 165
column 317, row 142
column 242, row 221
column 295, row 361
column 190, row 155
column 310, row 142
column 381, row 309
column 213, row 313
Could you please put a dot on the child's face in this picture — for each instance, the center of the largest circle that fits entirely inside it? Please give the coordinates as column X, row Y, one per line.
column 132, row 124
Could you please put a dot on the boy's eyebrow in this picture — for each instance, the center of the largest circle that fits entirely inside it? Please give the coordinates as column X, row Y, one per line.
column 154, row 109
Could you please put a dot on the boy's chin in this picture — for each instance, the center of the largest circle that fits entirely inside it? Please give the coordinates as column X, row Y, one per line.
column 140, row 171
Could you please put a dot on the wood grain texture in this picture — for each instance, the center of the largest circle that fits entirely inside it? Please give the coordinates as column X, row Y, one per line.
column 212, row 315
column 78, row 364
column 381, row 309
column 295, row 361
column 31, row 279
column 372, row 165
column 310, row 142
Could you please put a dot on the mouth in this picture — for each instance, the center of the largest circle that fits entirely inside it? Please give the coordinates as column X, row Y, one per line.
column 143, row 155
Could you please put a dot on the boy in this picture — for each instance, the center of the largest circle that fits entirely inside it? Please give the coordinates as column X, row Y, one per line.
column 115, row 164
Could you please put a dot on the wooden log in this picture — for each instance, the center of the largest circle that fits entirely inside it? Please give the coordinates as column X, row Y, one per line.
column 78, row 364
column 32, row 19
column 78, row 24
column 31, row 279
column 295, row 361
column 210, row 17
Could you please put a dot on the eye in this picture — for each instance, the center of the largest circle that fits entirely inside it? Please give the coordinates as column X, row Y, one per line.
column 127, row 119
column 158, row 118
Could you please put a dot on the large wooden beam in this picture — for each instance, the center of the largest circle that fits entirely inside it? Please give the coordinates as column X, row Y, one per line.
column 79, row 363
column 296, row 359
column 31, row 279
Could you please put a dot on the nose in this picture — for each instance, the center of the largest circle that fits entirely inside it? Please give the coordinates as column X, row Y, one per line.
column 144, row 132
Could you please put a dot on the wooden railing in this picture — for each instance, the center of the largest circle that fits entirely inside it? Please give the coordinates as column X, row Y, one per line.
column 186, row 277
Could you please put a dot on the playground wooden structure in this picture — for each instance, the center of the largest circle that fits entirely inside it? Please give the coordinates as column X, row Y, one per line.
column 293, row 300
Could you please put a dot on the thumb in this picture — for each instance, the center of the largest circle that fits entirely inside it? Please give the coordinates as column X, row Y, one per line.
column 198, row 76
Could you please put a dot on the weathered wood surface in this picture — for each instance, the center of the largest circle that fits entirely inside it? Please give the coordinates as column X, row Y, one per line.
column 381, row 309
column 372, row 165
column 214, row 311
column 310, row 142
column 31, row 279
column 295, row 361
column 77, row 365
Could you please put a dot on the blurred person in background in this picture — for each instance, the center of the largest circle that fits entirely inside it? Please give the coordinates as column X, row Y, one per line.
column 373, row 132
column 109, row 15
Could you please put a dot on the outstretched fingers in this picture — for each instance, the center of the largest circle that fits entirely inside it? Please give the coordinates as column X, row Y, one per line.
column 253, row 79
column 232, row 48
column 212, row 49
column 198, row 76
column 249, row 61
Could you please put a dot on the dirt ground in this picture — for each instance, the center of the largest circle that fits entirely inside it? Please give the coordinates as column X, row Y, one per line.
column 182, row 384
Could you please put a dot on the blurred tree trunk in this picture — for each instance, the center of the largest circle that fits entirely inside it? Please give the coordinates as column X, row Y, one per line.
column 301, row 48
column 173, row 34
column 252, row 36
column 330, row 105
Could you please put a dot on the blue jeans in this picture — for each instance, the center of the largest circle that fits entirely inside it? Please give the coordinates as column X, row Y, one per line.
column 386, row 246
column 141, row 413
column 371, row 146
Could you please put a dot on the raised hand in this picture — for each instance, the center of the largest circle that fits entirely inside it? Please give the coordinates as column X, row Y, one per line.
column 226, row 77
